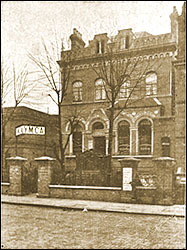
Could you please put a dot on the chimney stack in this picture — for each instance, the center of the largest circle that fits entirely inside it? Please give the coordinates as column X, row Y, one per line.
column 76, row 40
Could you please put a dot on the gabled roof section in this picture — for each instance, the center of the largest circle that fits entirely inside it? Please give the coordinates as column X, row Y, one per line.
column 142, row 34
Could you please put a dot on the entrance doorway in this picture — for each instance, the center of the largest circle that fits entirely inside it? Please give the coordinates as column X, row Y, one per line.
column 100, row 145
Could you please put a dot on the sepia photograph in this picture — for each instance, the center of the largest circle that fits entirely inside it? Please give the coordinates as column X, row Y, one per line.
column 93, row 124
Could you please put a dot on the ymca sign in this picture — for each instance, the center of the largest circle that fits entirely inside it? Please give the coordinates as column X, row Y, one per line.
column 30, row 130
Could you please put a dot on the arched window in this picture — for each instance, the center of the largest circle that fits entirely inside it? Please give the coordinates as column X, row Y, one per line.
column 165, row 141
column 151, row 83
column 99, row 139
column 77, row 140
column 100, row 93
column 144, row 137
column 77, row 91
column 124, row 138
column 125, row 88
column 97, row 125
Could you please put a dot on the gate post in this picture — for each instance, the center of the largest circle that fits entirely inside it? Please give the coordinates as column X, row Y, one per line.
column 44, row 165
column 16, row 165
column 165, row 180
column 129, row 174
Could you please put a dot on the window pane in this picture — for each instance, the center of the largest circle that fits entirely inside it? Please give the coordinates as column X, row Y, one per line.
column 154, row 89
column 77, row 91
column 124, row 90
column 103, row 93
column 165, row 141
column 97, row 125
column 124, row 138
column 77, row 142
column 100, row 93
column 97, row 94
column 151, row 84
column 151, row 78
column 144, row 136
column 148, row 90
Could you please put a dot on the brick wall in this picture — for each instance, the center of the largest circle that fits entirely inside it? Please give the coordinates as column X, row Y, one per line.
column 85, row 194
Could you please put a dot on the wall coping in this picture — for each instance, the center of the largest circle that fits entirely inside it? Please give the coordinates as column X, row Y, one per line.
column 5, row 184
column 164, row 159
column 134, row 156
column 129, row 159
column 143, row 187
column 84, row 187
column 44, row 158
column 70, row 156
column 16, row 158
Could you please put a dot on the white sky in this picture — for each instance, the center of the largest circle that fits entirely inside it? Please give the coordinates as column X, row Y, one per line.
column 24, row 23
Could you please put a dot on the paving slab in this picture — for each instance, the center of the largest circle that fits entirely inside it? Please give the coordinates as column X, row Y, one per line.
column 172, row 210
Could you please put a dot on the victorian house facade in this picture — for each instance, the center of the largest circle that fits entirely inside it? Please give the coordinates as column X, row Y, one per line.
column 153, row 126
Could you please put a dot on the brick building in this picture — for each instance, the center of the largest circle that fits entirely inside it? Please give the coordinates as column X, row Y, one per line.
column 28, row 133
column 151, row 127
column 179, row 81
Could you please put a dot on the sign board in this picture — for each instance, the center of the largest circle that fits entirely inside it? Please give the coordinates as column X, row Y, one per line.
column 30, row 130
column 90, row 144
column 127, row 178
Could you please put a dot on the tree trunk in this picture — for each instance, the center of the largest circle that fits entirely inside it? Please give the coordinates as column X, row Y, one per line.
column 60, row 137
column 110, row 142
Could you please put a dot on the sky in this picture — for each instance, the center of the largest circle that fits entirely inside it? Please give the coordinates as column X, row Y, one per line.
column 25, row 23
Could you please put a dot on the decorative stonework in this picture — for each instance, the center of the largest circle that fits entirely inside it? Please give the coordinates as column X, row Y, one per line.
column 82, row 123
column 141, row 58
column 97, row 115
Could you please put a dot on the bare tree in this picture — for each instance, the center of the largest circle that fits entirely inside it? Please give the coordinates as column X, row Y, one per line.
column 116, row 70
column 58, row 79
column 14, row 85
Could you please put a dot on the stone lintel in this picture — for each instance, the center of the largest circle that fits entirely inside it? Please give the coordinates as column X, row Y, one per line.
column 44, row 158
column 16, row 158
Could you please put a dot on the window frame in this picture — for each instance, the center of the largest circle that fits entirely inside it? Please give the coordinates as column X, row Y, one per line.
column 126, row 89
column 78, row 131
column 166, row 146
column 77, row 91
column 100, row 90
column 124, row 138
column 144, row 137
column 151, row 85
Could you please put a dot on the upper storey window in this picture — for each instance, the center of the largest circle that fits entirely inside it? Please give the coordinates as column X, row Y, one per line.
column 151, row 84
column 124, row 42
column 125, row 88
column 100, row 49
column 165, row 146
column 77, row 91
column 100, row 93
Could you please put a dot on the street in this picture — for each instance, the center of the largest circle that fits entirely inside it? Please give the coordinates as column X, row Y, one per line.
column 27, row 227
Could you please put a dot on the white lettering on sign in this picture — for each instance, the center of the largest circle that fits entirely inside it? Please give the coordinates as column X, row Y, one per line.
column 127, row 179
column 30, row 130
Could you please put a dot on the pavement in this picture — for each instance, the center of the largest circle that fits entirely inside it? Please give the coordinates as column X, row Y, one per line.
column 87, row 205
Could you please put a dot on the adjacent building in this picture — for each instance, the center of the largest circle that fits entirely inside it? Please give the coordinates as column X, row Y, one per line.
column 27, row 133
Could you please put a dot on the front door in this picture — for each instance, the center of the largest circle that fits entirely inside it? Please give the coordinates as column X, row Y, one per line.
column 100, row 145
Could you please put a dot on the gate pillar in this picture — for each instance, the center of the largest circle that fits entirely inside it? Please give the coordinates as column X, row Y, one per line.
column 16, row 165
column 165, row 167
column 44, row 165
column 129, row 176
